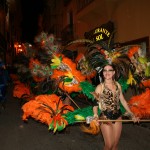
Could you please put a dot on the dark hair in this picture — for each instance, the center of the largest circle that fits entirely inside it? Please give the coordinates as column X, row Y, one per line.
column 109, row 65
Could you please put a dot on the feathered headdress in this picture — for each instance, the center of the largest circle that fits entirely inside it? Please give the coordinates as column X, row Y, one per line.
column 130, row 67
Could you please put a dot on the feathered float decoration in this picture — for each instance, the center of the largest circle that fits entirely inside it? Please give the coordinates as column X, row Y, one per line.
column 47, row 109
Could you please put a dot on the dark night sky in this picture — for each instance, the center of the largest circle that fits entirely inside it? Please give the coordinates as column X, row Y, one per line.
column 31, row 9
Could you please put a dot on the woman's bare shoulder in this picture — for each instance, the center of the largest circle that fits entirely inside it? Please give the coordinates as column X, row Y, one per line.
column 99, row 85
column 99, row 88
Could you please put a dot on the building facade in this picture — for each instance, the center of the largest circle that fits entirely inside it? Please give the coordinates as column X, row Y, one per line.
column 3, row 29
column 70, row 19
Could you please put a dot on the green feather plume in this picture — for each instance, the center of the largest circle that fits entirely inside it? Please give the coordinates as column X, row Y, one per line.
column 123, row 83
column 122, row 109
column 142, row 60
column 87, row 88
column 147, row 71
column 84, row 112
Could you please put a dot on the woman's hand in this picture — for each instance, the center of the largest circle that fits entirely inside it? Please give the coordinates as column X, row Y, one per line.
column 96, row 118
column 132, row 116
column 135, row 119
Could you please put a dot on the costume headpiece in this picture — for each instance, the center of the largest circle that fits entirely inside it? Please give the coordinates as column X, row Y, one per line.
column 130, row 66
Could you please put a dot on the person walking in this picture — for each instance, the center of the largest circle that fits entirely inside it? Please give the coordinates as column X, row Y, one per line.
column 109, row 96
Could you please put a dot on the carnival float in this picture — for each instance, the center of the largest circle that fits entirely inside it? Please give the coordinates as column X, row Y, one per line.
column 50, row 77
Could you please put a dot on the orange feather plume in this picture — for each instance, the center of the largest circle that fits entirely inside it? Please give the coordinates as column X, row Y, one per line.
column 132, row 51
column 76, row 74
column 20, row 90
column 92, row 129
column 140, row 104
column 146, row 83
column 45, row 108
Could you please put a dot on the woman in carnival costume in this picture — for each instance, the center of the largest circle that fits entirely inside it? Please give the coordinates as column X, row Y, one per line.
column 109, row 95
column 116, row 72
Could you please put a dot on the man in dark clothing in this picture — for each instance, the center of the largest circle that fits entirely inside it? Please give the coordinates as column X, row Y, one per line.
column 4, row 79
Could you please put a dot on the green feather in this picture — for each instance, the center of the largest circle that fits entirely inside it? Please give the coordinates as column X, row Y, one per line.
column 142, row 60
column 60, row 127
column 123, row 83
column 147, row 71
column 53, row 67
column 122, row 109
column 87, row 88
column 51, row 127
column 85, row 112
column 68, row 79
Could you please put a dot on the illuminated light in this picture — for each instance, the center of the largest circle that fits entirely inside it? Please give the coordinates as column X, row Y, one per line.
column 20, row 50
column 15, row 45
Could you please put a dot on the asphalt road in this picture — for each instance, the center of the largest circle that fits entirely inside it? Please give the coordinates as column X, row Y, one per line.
column 18, row 135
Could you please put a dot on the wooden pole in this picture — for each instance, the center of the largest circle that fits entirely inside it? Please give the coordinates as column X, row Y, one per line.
column 143, row 120
column 72, row 100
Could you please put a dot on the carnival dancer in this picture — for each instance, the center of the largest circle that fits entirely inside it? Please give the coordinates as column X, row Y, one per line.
column 109, row 95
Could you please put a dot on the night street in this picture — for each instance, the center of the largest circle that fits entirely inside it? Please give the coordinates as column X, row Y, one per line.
column 17, row 135
column 64, row 61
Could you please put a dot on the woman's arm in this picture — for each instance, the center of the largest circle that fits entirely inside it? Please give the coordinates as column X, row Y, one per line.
column 95, row 112
column 96, row 95
column 126, row 106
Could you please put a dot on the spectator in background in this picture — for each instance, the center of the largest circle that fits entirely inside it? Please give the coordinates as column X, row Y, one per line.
column 3, row 84
column 4, row 77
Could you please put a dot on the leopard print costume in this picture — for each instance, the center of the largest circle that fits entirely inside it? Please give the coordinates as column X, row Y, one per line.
column 109, row 103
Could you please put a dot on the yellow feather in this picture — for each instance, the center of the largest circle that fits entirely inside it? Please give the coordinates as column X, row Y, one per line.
column 78, row 117
column 69, row 75
column 131, row 80
column 56, row 61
